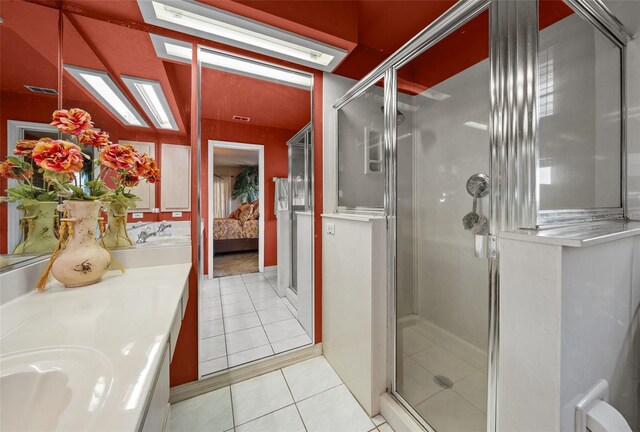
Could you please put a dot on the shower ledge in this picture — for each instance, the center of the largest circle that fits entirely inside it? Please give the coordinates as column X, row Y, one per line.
column 359, row 217
column 579, row 235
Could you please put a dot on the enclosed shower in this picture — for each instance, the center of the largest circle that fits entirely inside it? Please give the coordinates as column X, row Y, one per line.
column 455, row 156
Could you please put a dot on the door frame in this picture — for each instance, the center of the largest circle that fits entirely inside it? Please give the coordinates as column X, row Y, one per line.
column 213, row 144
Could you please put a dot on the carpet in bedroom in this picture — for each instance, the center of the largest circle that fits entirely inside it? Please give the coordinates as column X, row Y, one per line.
column 235, row 263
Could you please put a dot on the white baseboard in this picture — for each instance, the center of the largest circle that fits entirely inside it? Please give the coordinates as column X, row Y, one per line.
column 271, row 270
column 292, row 296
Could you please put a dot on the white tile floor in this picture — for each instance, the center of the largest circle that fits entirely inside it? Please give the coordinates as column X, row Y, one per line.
column 460, row 408
column 242, row 319
column 305, row 397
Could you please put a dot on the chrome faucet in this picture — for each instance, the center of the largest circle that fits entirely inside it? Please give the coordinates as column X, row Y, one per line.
column 144, row 235
column 162, row 227
column 140, row 225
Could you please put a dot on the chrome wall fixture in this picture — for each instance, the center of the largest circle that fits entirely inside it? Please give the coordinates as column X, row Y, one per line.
column 514, row 148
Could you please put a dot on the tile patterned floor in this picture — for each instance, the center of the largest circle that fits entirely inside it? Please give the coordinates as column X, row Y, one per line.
column 460, row 408
column 243, row 319
column 305, row 397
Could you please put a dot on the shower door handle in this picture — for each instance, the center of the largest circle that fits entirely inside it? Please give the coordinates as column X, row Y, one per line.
column 485, row 246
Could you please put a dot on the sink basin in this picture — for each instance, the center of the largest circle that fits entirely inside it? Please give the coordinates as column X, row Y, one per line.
column 59, row 388
column 173, row 240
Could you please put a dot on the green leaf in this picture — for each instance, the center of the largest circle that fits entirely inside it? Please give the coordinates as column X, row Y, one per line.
column 78, row 191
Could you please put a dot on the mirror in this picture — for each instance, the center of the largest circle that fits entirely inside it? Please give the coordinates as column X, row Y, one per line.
column 257, row 159
column 29, row 86
column 141, row 101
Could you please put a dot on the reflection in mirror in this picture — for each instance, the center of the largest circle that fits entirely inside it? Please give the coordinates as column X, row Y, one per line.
column 257, row 160
column 29, row 85
column 142, row 102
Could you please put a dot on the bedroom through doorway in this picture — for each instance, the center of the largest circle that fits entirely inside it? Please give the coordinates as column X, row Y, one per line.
column 237, row 185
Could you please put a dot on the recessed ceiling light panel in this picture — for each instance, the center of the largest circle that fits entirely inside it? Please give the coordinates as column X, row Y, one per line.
column 150, row 96
column 204, row 21
column 103, row 88
column 172, row 49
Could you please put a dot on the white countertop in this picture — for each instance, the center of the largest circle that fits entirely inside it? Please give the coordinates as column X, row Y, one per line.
column 579, row 235
column 125, row 319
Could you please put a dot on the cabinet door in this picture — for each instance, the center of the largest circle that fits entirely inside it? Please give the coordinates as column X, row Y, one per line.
column 145, row 191
column 176, row 178
column 156, row 415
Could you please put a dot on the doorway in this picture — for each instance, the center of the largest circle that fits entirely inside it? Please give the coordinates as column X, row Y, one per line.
column 236, row 202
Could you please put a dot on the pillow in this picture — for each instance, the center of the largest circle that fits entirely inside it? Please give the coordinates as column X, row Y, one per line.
column 246, row 210
column 234, row 214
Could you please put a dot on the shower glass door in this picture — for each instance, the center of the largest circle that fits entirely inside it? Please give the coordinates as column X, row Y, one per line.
column 300, row 190
column 442, row 208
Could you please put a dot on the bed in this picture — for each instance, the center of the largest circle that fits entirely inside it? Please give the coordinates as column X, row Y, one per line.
column 236, row 233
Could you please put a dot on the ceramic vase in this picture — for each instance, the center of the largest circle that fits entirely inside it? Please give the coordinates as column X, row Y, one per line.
column 116, row 231
column 39, row 223
column 83, row 261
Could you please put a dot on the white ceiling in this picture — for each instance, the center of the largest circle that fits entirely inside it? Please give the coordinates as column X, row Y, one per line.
column 234, row 157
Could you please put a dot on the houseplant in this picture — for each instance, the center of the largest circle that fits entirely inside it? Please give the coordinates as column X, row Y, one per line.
column 38, row 204
column 246, row 187
column 79, row 258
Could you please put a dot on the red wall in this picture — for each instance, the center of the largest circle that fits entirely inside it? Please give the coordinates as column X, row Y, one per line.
column 275, row 165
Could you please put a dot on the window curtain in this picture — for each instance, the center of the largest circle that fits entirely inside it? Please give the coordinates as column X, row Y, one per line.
column 221, row 196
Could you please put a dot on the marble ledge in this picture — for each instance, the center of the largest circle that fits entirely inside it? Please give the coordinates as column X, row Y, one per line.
column 579, row 235
column 357, row 217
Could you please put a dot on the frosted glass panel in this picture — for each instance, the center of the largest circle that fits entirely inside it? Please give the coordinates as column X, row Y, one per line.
column 579, row 108
column 361, row 151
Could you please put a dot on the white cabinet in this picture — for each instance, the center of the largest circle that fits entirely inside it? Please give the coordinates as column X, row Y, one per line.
column 157, row 414
column 176, row 178
column 145, row 191
column 158, row 411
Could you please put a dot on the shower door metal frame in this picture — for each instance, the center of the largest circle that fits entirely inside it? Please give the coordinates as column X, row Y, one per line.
column 455, row 20
column 601, row 18
column 507, row 186
column 307, row 134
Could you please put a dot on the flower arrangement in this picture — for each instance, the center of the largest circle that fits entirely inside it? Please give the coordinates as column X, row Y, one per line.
column 58, row 160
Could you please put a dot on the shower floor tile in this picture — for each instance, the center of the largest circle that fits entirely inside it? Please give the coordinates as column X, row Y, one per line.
column 447, row 411
column 427, row 358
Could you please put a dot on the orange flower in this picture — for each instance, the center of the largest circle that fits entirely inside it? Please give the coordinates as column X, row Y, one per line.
column 73, row 121
column 24, row 147
column 130, row 180
column 118, row 156
column 58, row 155
column 12, row 170
column 94, row 138
column 153, row 175
column 147, row 168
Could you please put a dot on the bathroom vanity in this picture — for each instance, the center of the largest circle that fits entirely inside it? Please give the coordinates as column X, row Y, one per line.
column 93, row 358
